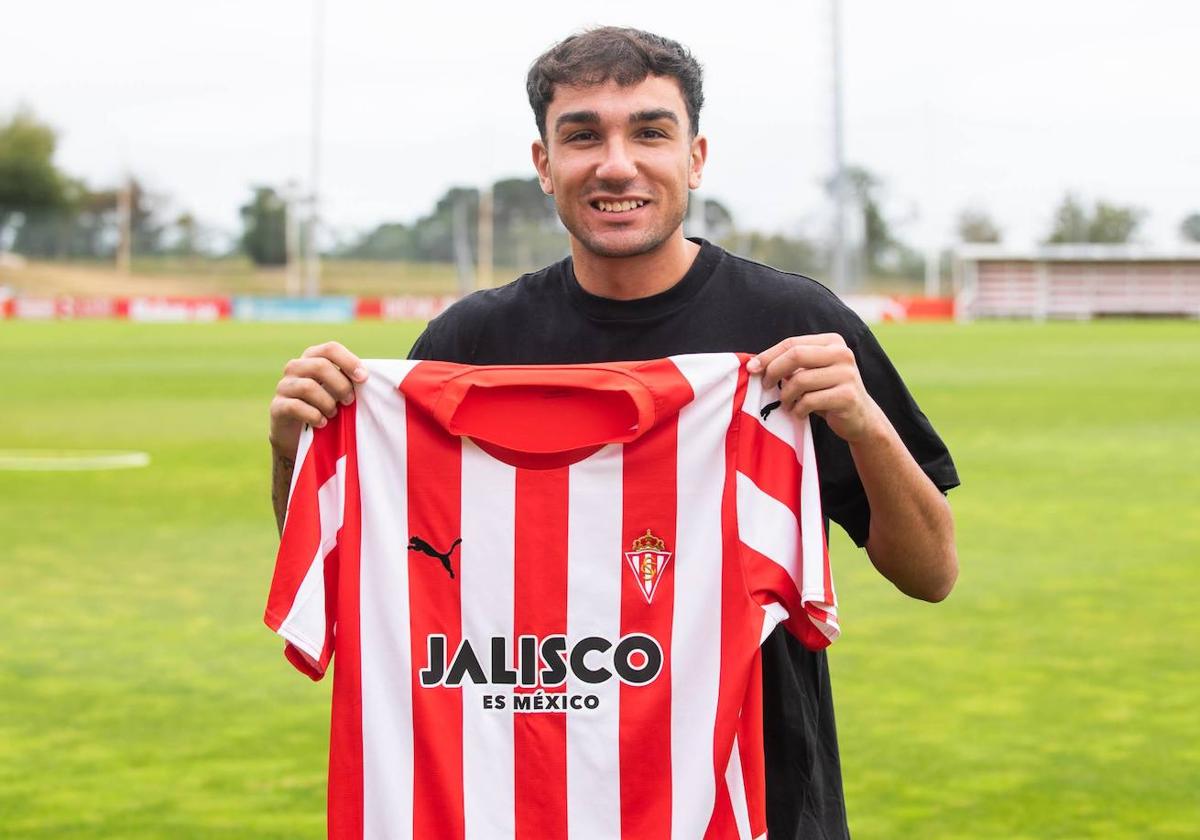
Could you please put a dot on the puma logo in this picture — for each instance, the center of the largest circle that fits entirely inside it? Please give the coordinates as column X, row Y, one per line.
column 418, row 544
column 766, row 410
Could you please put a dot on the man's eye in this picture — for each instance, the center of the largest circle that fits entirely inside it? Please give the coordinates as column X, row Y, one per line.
column 580, row 135
column 653, row 133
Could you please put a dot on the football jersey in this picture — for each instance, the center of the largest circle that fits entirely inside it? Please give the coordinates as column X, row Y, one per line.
column 545, row 588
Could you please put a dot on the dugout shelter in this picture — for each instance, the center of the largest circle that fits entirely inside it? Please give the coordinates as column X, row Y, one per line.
column 1076, row 282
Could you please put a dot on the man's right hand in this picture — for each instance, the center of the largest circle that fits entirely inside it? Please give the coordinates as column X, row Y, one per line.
column 312, row 388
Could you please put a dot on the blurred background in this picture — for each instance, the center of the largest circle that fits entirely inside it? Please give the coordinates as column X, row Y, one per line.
column 1009, row 192
column 197, row 147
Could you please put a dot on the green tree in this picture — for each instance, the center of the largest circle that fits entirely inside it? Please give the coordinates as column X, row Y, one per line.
column 1105, row 223
column 1070, row 222
column 783, row 252
column 1190, row 228
column 29, row 180
column 264, row 222
column 1113, row 223
column 976, row 225
column 865, row 189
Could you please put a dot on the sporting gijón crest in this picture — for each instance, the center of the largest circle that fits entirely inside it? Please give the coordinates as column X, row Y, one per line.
column 647, row 561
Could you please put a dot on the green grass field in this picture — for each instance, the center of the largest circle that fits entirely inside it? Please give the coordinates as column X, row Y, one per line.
column 1056, row 694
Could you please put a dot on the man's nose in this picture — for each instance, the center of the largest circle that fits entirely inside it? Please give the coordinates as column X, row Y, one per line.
column 618, row 164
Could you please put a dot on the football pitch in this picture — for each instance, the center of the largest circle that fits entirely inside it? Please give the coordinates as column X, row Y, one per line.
column 1055, row 694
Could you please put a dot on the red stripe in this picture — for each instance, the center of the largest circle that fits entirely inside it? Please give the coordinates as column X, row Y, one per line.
column 540, row 609
column 773, row 583
column 645, row 733
column 750, row 748
column 737, row 620
column 722, row 825
column 345, row 810
column 302, row 531
column 435, row 607
column 770, row 463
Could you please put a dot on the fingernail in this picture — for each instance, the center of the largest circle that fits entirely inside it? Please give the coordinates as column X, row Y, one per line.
column 754, row 365
column 347, row 399
column 360, row 373
column 321, row 423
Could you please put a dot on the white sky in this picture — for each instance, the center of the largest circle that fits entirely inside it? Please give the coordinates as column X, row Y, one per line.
column 1003, row 104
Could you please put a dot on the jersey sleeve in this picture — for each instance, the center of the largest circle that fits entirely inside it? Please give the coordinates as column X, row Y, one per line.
column 780, row 525
column 301, row 606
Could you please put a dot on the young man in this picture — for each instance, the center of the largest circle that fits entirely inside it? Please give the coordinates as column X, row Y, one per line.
column 619, row 148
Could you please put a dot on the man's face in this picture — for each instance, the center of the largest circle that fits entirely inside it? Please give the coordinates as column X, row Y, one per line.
column 619, row 162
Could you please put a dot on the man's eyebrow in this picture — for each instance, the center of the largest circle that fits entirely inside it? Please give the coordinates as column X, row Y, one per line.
column 587, row 117
column 654, row 115
column 593, row 118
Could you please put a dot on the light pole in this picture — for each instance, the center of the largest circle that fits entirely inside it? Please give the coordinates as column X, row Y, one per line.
column 313, row 256
column 841, row 271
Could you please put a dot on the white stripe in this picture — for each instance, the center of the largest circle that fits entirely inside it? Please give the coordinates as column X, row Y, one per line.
column 304, row 626
column 302, row 449
column 773, row 613
column 812, row 525
column 769, row 527
column 595, row 563
column 695, row 647
column 383, row 598
column 779, row 422
column 486, row 570
column 737, row 792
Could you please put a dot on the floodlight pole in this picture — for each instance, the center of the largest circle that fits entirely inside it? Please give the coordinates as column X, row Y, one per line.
column 485, row 275
column 313, row 260
column 125, row 222
column 291, row 205
column 840, row 262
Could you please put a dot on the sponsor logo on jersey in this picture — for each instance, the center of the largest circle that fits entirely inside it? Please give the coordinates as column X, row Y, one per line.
column 542, row 663
column 647, row 561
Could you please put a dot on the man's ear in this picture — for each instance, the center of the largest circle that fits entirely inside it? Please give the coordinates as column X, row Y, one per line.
column 541, row 162
column 696, row 164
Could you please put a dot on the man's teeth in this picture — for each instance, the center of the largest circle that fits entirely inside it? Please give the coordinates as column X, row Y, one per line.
column 618, row 206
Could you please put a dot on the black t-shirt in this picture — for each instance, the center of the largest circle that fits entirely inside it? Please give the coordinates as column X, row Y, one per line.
column 723, row 303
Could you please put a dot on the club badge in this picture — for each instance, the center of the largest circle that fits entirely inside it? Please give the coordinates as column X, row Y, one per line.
column 647, row 561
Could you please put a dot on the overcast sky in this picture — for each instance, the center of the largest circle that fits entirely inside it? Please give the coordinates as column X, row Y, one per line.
column 1005, row 105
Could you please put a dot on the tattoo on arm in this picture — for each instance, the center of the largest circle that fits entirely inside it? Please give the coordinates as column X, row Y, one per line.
column 281, row 481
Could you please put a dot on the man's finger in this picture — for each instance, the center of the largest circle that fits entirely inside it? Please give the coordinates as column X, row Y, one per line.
column 808, row 381
column 800, row 357
column 819, row 402
column 350, row 364
column 296, row 411
column 325, row 372
column 309, row 391
column 767, row 356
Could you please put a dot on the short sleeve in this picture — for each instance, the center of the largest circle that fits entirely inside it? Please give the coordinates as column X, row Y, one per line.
column 841, row 488
column 301, row 606
column 780, row 525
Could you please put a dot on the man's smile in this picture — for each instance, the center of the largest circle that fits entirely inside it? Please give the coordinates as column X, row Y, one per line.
column 618, row 207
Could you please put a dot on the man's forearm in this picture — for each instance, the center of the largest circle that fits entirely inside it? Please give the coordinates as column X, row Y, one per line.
column 281, row 482
column 911, row 536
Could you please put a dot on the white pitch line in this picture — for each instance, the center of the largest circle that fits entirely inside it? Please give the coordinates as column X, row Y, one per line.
column 68, row 460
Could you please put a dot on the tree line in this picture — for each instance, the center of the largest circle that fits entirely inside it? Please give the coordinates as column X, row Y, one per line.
column 48, row 213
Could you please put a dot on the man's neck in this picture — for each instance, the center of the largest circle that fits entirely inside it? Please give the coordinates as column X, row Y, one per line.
column 629, row 278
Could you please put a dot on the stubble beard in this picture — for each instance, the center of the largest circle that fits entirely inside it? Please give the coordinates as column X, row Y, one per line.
column 651, row 241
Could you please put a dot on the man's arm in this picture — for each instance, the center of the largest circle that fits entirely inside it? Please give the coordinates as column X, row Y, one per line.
column 911, row 537
column 309, row 393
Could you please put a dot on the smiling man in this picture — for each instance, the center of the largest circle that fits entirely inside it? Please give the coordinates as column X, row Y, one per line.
column 619, row 149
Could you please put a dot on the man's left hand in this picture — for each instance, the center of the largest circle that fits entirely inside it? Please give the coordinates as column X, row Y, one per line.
column 818, row 375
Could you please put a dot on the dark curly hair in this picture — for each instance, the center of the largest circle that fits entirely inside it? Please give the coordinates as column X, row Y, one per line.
column 625, row 56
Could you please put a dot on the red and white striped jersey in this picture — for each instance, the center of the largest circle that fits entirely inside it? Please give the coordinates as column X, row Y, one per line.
column 546, row 587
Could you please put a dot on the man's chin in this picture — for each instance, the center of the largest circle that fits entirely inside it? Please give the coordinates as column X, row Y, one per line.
column 620, row 245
